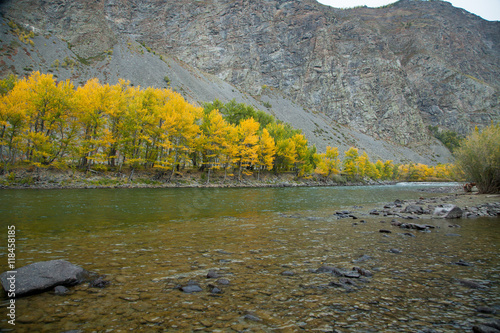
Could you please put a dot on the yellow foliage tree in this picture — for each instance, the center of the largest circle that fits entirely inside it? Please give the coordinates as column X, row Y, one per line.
column 351, row 163
column 247, row 145
column 265, row 152
column 216, row 140
column 93, row 102
column 329, row 162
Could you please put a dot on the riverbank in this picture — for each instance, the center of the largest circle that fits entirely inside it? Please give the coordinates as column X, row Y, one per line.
column 32, row 178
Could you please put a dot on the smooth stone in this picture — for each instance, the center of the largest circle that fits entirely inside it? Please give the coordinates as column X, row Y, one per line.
column 191, row 289
column 61, row 290
column 44, row 275
column 363, row 258
column 212, row 274
column 223, row 281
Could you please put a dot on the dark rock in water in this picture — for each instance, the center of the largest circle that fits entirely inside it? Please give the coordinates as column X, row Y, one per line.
column 448, row 211
column 329, row 269
column 252, row 317
column 215, row 290
column 374, row 212
column 212, row 274
column 99, row 283
column 287, row 273
column 363, row 272
column 495, row 323
column 409, row 234
column 486, row 309
column 363, row 258
column 397, row 251
column 223, row 282
column 461, row 262
column 413, row 209
column 385, row 231
column 484, row 329
column 396, row 223
column 419, row 226
column 44, row 275
column 345, row 283
column 191, row 288
column 471, row 284
column 352, row 274
column 61, row 290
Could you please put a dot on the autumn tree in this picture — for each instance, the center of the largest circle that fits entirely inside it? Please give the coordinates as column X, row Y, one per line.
column 13, row 121
column 265, row 152
column 48, row 108
column 286, row 152
column 216, row 140
column 182, row 128
column 93, row 102
column 351, row 163
column 329, row 163
column 247, row 145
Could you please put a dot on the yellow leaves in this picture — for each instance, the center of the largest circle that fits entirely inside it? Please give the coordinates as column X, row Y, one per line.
column 329, row 162
column 48, row 122
column 266, row 150
column 422, row 172
column 247, row 143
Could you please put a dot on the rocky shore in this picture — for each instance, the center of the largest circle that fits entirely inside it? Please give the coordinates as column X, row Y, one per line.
column 66, row 179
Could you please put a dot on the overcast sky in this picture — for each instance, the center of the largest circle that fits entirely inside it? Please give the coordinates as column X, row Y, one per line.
column 487, row 9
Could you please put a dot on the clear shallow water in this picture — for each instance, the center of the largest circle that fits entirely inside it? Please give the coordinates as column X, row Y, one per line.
column 148, row 241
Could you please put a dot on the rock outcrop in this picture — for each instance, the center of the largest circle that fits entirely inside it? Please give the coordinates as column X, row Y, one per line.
column 375, row 78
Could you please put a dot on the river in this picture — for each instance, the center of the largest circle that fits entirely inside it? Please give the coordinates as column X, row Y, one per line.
column 265, row 244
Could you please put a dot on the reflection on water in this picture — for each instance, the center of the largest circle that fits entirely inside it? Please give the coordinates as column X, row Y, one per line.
column 149, row 241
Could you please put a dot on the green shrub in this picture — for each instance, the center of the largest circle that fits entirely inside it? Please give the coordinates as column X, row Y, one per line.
column 450, row 139
column 479, row 158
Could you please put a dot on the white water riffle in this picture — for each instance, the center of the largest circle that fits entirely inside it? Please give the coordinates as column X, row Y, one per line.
column 433, row 184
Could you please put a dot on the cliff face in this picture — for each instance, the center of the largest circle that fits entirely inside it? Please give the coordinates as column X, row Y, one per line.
column 387, row 73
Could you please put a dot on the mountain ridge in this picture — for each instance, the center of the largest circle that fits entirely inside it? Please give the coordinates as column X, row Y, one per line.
column 374, row 78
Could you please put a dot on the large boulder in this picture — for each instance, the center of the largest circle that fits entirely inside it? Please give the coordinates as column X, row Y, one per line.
column 448, row 211
column 42, row 276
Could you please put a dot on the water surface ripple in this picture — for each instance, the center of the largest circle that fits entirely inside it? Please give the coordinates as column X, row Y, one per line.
column 265, row 245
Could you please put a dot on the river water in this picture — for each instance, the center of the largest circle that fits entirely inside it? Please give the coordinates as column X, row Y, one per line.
column 265, row 244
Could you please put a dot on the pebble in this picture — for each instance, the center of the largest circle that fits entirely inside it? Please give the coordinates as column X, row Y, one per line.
column 223, row 282
column 61, row 290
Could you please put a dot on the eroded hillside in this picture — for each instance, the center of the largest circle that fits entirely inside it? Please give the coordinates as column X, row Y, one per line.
column 374, row 78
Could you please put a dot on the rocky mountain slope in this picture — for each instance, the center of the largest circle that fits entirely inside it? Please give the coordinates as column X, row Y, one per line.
column 373, row 78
